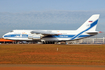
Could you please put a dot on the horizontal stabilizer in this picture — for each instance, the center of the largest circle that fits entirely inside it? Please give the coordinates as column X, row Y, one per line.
column 92, row 33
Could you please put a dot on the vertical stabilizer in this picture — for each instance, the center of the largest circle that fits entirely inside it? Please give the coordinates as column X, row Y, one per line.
column 90, row 24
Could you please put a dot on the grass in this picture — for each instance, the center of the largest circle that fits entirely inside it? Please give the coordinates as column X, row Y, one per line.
column 48, row 54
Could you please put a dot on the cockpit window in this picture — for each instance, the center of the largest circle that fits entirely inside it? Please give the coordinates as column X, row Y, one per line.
column 11, row 31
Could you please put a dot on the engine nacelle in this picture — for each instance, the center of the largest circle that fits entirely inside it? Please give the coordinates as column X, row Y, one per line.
column 34, row 37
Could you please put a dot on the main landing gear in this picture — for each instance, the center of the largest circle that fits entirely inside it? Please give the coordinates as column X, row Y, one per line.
column 48, row 42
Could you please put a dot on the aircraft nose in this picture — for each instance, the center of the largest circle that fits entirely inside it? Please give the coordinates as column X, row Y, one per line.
column 5, row 36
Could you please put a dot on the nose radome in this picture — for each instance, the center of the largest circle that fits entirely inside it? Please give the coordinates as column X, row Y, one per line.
column 4, row 36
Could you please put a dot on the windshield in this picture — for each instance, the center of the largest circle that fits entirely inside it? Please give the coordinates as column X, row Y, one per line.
column 11, row 31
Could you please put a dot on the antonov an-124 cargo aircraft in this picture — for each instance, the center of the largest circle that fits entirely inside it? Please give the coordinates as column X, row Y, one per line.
column 88, row 29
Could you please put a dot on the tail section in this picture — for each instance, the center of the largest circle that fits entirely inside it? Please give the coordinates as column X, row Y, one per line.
column 88, row 27
column 90, row 24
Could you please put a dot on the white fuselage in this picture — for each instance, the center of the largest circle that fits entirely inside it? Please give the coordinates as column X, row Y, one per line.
column 64, row 35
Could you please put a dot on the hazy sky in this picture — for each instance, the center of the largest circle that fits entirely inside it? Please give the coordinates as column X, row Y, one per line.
column 49, row 14
column 46, row 5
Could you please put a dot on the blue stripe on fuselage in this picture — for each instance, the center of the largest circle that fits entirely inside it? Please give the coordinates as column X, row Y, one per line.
column 17, row 35
column 24, row 35
column 12, row 35
column 50, row 36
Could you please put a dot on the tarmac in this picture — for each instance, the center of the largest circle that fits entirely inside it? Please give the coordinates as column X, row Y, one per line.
column 49, row 67
column 8, row 53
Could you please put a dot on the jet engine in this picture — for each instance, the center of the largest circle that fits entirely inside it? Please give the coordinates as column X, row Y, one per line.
column 35, row 36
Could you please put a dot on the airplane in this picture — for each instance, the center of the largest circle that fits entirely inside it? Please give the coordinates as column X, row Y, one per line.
column 88, row 29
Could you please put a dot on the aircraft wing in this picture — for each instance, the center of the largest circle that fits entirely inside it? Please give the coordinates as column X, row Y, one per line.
column 45, row 32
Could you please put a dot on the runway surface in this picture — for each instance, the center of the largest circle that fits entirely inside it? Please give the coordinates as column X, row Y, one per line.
column 48, row 57
column 49, row 67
